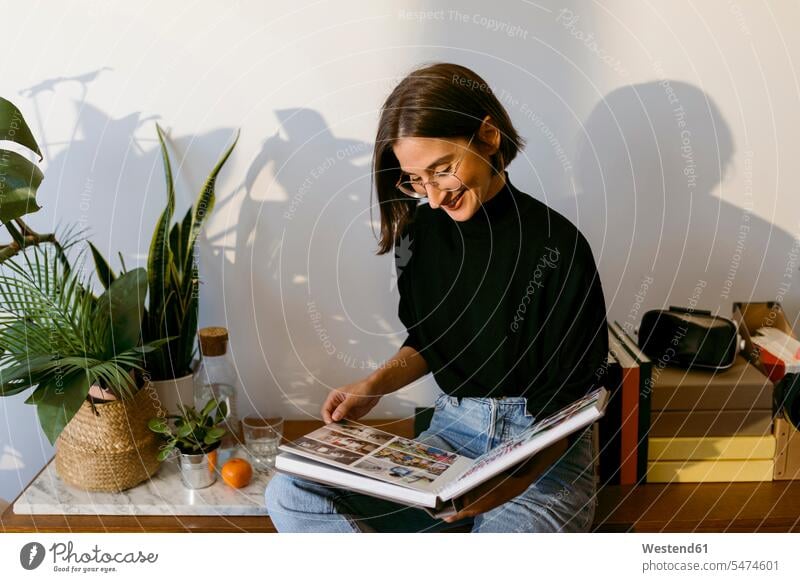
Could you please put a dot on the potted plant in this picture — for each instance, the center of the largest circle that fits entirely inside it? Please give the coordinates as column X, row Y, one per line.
column 173, row 287
column 196, row 436
column 19, row 181
column 60, row 339
column 76, row 350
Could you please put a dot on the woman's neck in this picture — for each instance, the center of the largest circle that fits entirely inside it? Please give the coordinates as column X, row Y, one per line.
column 498, row 183
column 493, row 211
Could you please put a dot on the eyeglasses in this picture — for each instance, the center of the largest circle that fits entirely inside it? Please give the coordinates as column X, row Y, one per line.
column 442, row 181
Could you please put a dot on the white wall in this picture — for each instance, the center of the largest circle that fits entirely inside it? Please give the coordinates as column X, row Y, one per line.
column 288, row 263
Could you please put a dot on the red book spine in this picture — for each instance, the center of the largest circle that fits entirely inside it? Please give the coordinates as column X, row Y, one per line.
column 630, row 426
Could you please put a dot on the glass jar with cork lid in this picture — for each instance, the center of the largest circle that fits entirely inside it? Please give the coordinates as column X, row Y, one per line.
column 216, row 378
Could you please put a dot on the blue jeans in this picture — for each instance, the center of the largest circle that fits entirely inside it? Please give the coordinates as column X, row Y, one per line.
column 562, row 499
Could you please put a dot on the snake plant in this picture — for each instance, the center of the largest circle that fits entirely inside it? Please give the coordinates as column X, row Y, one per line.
column 173, row 284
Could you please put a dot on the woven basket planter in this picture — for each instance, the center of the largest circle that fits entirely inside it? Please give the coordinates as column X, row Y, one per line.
column 113, row 450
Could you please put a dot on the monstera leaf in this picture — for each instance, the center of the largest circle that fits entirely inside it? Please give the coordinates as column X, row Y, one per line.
column 19, row 177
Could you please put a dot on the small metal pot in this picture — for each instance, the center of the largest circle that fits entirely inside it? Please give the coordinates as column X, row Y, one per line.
column 198, row 470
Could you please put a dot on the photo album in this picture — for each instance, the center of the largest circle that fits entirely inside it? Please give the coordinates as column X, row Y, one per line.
column 367, row 460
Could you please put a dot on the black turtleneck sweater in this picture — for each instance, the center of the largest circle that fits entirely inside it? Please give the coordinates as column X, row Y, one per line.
column 507, row 303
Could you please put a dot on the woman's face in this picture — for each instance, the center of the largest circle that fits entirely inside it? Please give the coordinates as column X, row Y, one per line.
column 421, row 157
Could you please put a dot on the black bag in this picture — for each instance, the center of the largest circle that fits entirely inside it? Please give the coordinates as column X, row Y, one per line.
column 689, row 338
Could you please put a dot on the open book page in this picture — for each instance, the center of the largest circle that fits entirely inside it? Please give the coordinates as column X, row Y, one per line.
column 538, row 436
column 345, row 478
column 381, row 455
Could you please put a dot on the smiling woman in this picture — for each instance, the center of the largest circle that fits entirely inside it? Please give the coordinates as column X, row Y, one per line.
column 502, row 302
column 436, row 116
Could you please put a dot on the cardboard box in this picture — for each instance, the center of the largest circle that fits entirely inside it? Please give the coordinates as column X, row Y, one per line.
column 740, row 387
column 726, row 448
column 710, row 471
column 711, row 423
column 750, row 317
column 787, row 450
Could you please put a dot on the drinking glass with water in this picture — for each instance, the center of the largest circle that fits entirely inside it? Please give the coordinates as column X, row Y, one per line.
column 261, row 438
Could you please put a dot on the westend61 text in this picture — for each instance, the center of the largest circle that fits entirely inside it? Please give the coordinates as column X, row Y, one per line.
column 673, row 549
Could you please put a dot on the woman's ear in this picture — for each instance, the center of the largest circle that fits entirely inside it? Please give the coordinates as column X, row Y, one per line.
column 489, row 137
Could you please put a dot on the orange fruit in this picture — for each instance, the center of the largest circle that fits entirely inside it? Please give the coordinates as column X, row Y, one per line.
column 237, row 473
column 212, row 461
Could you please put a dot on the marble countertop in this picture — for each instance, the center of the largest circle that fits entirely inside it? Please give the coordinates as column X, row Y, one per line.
column 162, row 494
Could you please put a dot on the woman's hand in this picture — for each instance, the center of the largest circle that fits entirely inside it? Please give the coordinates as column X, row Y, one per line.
column 508, row 484
column 352, row 401
column 355, row 400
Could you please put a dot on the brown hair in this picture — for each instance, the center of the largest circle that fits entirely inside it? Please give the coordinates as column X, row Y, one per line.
column 442, row 100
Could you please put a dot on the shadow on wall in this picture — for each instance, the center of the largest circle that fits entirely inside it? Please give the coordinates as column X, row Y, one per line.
column 106, row 174
column 288, row 262
column 100, row 176
column 652, row 160
column 314, row 301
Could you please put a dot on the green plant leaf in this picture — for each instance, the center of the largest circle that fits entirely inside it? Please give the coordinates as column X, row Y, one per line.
column 12, row 389
column 121, row 308
column 185, row 430
column 204, row 204
column 164, row 453
column 145, row 349
column 175, row 242
column 160, row 255
column 214, row 435
column 183, row 244
column 19, row 181
column 158, row 425
column 186, row 344
column 222, row 411
column 123, row 268
column 173, row 282
column 14, row 128
column 23, row 374
column 104, row 272
column 208, row 407
column 149, row 347
column 58, row 402
column 47, row 303
column 51, row 327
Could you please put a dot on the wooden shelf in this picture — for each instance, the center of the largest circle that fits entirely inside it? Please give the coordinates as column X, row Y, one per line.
column 772, row 506
column 686, row 507
column 26, row 523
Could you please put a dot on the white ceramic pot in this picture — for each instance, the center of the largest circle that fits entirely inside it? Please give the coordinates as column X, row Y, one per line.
column 174, row 392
